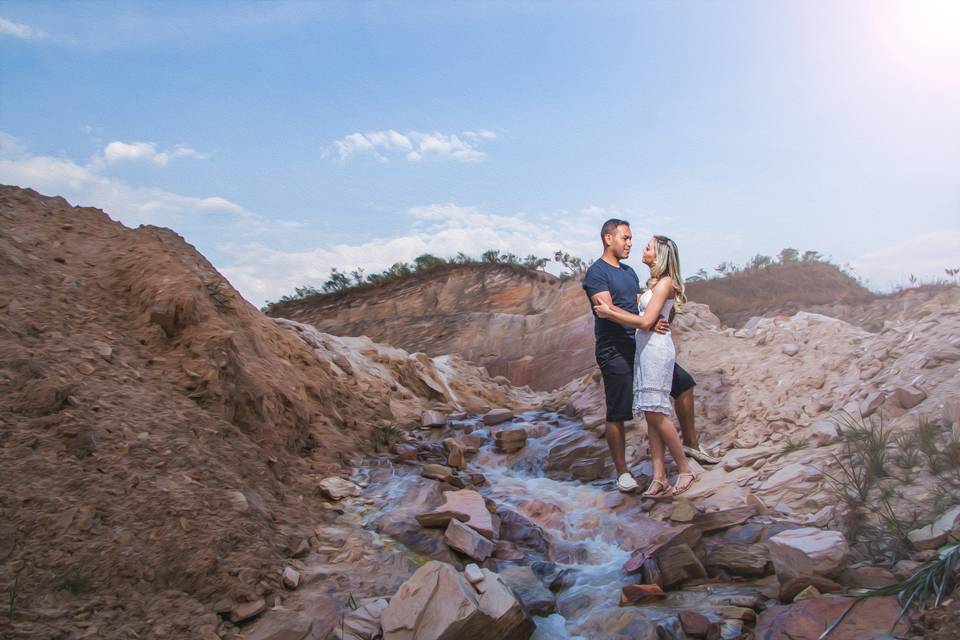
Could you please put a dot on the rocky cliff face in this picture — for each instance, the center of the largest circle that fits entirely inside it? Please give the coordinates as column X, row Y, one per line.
column 537, row 330
column 159, row 437
column 533, row 329
column 772, row 394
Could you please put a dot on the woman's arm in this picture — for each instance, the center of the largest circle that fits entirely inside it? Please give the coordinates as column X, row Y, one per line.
column 651, row 314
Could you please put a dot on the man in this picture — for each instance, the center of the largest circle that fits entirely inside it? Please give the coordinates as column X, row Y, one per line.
column 610, row 281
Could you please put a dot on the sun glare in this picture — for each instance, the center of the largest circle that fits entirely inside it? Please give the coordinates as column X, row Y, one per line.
column 923, row 36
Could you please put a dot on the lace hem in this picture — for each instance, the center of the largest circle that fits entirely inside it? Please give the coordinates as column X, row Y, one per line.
column 652, row 400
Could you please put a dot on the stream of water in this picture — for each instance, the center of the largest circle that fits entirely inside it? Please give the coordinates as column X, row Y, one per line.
column 588, row 539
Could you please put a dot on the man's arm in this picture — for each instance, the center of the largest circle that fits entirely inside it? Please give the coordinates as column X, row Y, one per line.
column 662, row 325
column 606, row 298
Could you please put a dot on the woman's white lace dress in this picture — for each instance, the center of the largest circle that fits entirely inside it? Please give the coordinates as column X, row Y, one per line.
column 653, row 367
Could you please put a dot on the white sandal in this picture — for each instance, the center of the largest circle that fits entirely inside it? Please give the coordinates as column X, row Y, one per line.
column 626, row 483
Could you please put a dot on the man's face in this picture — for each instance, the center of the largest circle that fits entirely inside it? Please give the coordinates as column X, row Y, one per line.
column 620, row 242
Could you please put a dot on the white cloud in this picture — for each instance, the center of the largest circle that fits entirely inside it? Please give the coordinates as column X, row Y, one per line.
column 414, row 146
column 118, row 151
column 86, row 185
column 25, row 32
column 924, row 255
column 10, row 147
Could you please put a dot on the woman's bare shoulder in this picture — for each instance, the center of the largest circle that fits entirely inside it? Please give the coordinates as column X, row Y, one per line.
column 665, row 285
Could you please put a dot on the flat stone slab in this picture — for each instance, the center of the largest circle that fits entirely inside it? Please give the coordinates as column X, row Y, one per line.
column 337, row 488
column 467, row 541
column 496, row 416
column 807, row 551
column 433, row 419
column 725, row 519
column 468, row 507
column 807, row 620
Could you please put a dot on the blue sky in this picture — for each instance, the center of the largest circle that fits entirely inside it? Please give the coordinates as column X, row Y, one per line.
column 283, row 139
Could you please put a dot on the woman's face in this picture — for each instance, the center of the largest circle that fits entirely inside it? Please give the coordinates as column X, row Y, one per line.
column 650, row 252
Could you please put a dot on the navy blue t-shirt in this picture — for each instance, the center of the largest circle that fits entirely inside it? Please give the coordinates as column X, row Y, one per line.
column 623, row 285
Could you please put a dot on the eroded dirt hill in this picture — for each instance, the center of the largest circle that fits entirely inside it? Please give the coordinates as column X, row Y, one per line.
column 161, row 439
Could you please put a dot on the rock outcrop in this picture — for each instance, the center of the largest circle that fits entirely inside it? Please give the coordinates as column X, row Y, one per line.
column 439, row 603
column 533, row 328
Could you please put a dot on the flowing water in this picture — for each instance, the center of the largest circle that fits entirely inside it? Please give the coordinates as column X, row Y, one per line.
column 590, row 539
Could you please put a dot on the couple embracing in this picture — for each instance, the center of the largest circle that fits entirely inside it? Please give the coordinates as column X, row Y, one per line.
column 637, row 358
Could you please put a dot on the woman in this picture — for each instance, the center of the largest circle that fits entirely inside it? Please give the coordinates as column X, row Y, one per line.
column 653, row 368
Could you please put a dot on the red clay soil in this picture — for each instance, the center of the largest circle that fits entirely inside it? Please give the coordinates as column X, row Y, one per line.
column 156, row 430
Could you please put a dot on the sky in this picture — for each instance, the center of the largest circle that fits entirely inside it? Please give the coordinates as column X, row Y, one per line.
column 283, row 139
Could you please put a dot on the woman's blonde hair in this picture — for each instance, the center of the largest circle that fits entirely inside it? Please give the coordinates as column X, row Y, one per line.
column 667, row 263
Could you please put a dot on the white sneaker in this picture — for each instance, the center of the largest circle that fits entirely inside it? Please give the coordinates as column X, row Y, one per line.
column 700, row 455
column 626, row 483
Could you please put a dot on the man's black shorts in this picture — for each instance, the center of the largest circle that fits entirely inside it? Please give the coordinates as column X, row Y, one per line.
column 616, row 366
column 682, row 381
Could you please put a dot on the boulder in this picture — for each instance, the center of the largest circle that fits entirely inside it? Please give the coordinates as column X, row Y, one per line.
column 282, row 625
column 650, row 571
column 908, row 397
column 362, row 622
column 474, row 440
column 247, row 610
column 438, row 603
column 632, row 594
column 683, row 511
column 806, row 620
column 867, row 577
column 944, row 529
column 809, row 592
column 337, row 488
column 467, row 541
column 588, row 470
column 791, row 476
column 530, row 590
column 807, row 551
column 472, row 573
column 456, row 453
column 517, row 528
column 436, row 472
column 511, row 440
column 404, row 452
column 951, row 412
column 736, row 458
column 733, row 612
column 823, row 432
column 433, row 419
column 538, row 430
column 513, row 434
column 717, row 520
column 871, row 403
column 688, row 535
column 697, row 625
column 790, row 349
column 678, row 564
column 496, row 416
column 738, row 558
column 565, row 449
column 904, row 569
column 290, row 578
column 439, row 519
column 465, row 505
column 503, row 550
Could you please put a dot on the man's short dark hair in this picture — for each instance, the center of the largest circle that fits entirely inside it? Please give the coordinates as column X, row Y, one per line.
column 610, row 226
